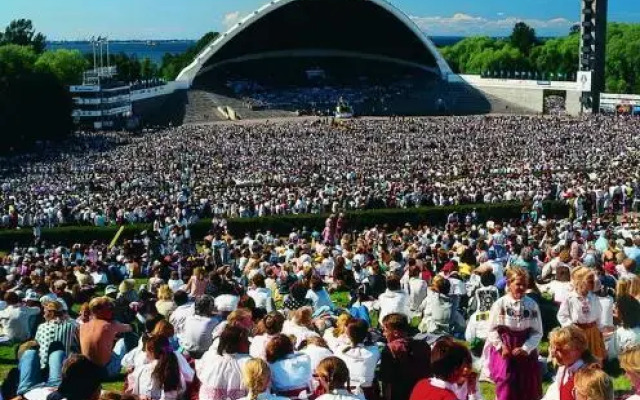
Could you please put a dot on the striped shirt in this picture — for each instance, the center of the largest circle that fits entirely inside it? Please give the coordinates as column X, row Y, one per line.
column 57, row 330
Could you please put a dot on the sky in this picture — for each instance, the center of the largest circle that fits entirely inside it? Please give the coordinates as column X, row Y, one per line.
column 190, row 19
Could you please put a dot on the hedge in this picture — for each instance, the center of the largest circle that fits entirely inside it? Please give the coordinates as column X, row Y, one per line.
column 283, row 225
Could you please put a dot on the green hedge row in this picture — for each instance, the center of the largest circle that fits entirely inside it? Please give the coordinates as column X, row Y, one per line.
column 283, row 225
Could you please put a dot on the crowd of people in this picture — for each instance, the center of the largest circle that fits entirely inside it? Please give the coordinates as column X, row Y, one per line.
column 257, row 318
column 305, row 166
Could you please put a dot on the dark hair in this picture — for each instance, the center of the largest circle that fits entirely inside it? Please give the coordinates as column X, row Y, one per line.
column 204, row 305
column 628, row 311
column 180, row 297
column 81, row 378
column 357, row 331
column 273, row 323
column 393, row 282
column 167, row 370
column 447, row 356
column 232, row 339
column 316, row 283
column 414, row 270
column 487, row 278
column 298, row 291
column 278, row 348
column 258, row 280
column 11, row 298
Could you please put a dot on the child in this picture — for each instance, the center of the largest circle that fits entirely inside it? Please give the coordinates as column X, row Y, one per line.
column 593, row 384
column 333, row 380
column 256, row 376
column 161, row 378
column 175, row 283
column 583, row 309
column 630, row 362
column 197, row 283
column 515, row 331
column 451, row 369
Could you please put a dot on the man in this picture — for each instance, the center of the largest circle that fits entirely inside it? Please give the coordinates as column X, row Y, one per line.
column 56, row 329
column 15, row 319
column 183, row 310
column 98, row 337
column 393, row 300
column 196, row 338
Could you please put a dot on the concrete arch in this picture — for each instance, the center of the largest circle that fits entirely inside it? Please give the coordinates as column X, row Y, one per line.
column 188, row 74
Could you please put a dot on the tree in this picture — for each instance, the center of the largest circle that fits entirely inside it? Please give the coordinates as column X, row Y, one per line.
column 148, row 69
column 66, row 65
column 523, row 38
column 22, row 33
column 15, row 61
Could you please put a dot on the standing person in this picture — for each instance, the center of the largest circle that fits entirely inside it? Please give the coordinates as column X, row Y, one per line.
column 451, row 366
column 98, row 337
column 334, row 382
column 515, row 331
column 583, row 309
column 56, row 328
column 403, row 361
column 569, row 348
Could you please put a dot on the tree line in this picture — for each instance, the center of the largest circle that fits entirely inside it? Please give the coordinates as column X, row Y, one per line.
column 524, row 52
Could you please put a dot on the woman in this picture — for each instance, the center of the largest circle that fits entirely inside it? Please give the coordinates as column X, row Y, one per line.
column 337, row 336
column 197, row 284
column 333, row 381
column 317, row 350
column 361, row 360
column 219, row 370
column 583, row 309
column 452, row 371
column 416, row 288
column 271, row 325
column 630, row 362
column 318, row 294
column 437, row 308
column 628, row 333
column 296, row 298
column 515, row 331
column 256, row 376
column 159, row 379
column 593, row 384
column 569, row 349
column 290, row 372
column 300, row 326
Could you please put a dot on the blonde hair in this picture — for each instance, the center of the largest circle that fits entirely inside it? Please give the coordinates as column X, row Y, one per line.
column 580, row 275
column 630, row 360
column 634, row 287
column 256, row 376
column 341, row 324
column 514, row 273
column 593, row 383
column 165, row 293
column 303, row 316
column 569, row 335
column 198, row 273
column 622, row 288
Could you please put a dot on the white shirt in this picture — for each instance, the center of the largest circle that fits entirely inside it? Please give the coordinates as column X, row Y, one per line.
column 560, row 290
column 300, row 332
column 516, row 315
column 138, row 357
column 581, row 310
column 258, row 346
column 262, row 298
column 291, row 373
column 226, row 302
column 361, row 361
column 221, row 375
column 316, row 354
column 417, row 290
column 335, row 342
column 143, row 384
column 15, row 321
column 393, row 302
column 478, row 326
column 626, row 338
column 196, row 336
column 179, row 315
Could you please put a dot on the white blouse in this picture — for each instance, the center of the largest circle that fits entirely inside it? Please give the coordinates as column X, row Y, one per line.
column 300, row 332
column 335, row 342
column 316, row 354
column 516, row 315
column 221, row 376
column 291, row 373
column 138, row 357
column 258, row 348
column 361, row 361
column 581, row 310
column 141, row 383
column 341, row 394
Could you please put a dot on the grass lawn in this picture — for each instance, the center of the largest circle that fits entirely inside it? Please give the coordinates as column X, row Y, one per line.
column 341, row 299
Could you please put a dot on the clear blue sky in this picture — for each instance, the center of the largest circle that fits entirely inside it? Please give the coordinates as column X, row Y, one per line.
column 190, row 19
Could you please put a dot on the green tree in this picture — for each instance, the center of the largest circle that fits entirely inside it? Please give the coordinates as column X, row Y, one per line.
column 148, row 69
column 173, row 64
column 523, row 38
column 66, row 65
column 22, row 32
column 15, row 61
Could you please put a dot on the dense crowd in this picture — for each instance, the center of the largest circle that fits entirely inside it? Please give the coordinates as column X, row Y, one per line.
column 255, row 318
column 243, row 170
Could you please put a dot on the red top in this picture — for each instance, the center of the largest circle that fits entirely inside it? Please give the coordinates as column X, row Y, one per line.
column 566, row 390
column 424, row 390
